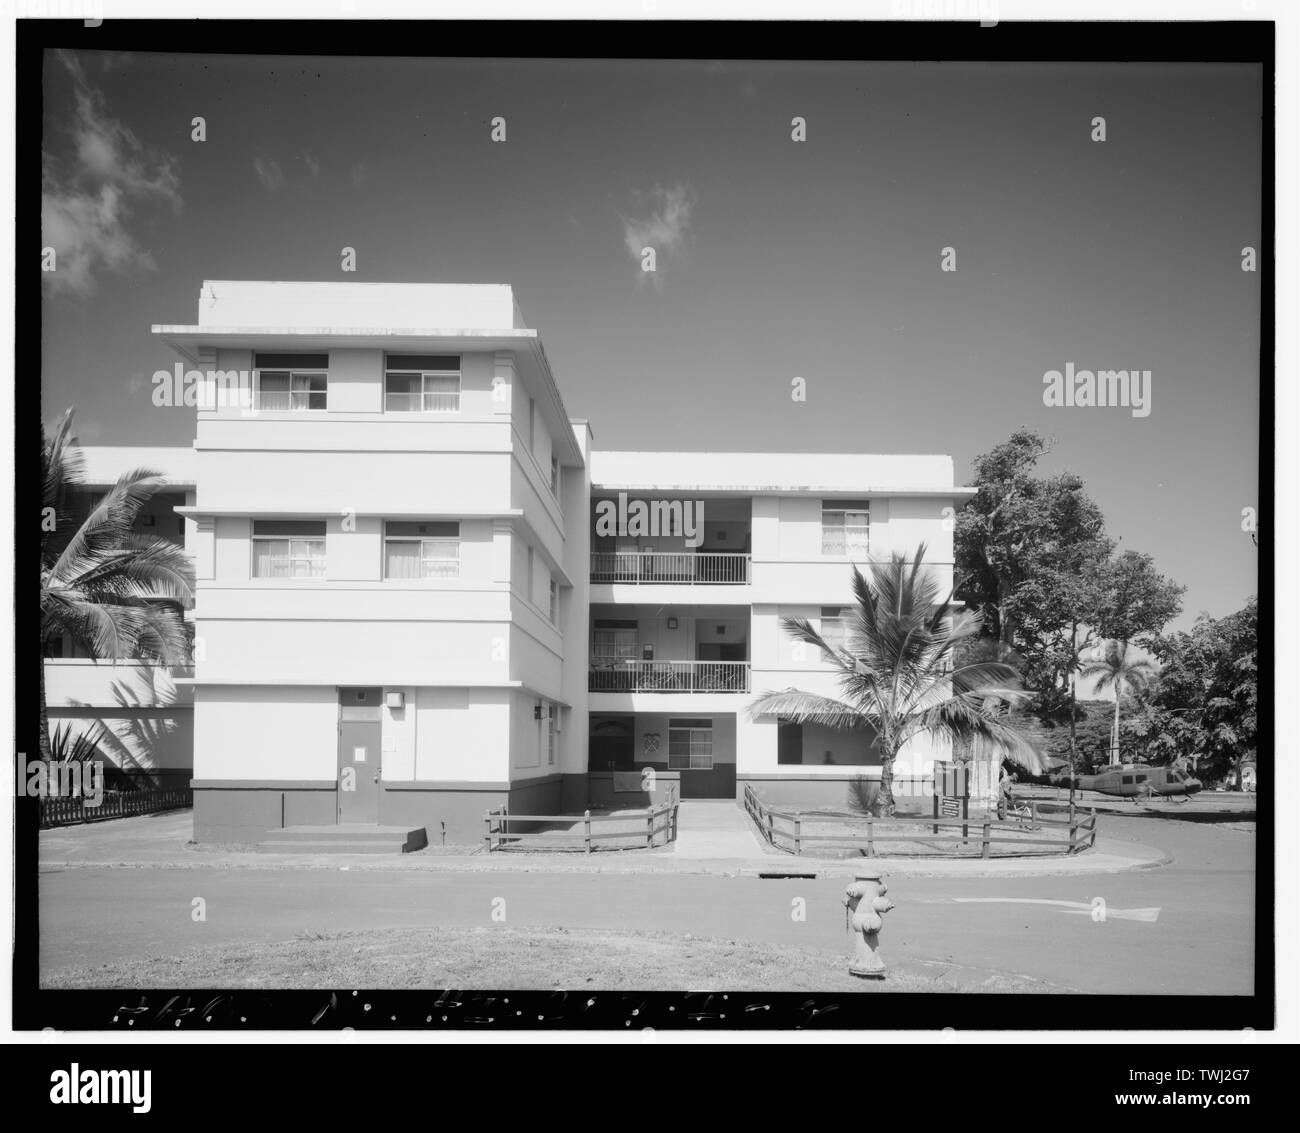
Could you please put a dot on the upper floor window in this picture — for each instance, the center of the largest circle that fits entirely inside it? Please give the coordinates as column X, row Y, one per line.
column 421, row 549
column 291, row 381
column 422, row 383
column 614, row 640
column 555, row 477
column 846, row 525
column 555, row 603
column 288, row 548
column 834, row 626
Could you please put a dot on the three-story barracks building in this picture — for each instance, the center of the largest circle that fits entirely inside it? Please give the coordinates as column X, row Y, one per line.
column 420, row 593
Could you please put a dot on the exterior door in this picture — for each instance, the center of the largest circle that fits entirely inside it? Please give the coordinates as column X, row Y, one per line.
column 360, row 728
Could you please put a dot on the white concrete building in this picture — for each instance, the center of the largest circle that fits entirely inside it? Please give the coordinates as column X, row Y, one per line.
column 416, row 600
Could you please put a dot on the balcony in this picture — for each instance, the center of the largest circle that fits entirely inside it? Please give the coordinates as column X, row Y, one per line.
column 668, row 676
column 690, row 568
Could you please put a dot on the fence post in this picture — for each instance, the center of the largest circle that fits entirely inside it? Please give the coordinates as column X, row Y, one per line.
column 586, row 819
column 650, row 828
column 487, row 829
column 1074, row 828
column 1033, row 814
column 797, row 821
column 984, row 851
column 1092, row 841
column 871, row 845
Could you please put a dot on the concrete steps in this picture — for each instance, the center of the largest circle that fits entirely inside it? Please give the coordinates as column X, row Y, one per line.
column 349, row 838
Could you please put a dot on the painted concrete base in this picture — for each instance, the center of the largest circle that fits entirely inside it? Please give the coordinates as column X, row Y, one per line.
column 244, row 812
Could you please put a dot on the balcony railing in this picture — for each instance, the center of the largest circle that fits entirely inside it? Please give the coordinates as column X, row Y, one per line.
column 668, row 676
column 708, row 568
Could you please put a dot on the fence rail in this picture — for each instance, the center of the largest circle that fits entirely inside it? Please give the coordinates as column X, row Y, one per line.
column 785, row 830
column 669, row 676
column 646, row 826
column 61, row 810
column 693, row 568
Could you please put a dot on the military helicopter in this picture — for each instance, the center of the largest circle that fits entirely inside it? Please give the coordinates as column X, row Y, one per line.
column 1133, row 781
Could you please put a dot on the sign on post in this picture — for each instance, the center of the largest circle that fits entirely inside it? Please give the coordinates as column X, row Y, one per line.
column 951, row 792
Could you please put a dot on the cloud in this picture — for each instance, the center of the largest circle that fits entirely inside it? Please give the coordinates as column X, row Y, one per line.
column 663, row 224
column 269, row 173
column 360, row 174
column 87, row 201
column 312, row 162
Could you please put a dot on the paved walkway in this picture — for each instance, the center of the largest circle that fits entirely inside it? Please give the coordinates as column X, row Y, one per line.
column 715, row 839
column 716, row 829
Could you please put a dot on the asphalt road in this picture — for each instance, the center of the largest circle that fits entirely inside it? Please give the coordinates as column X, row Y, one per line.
column 1200, row 941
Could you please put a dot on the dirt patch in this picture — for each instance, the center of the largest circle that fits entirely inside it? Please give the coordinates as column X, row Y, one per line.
column 532, row 959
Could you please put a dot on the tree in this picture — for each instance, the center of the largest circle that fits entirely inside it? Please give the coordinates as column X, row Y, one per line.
column 116, row 593
column 1119, row 667
column 1204, row 704
column 1135, row 601
column 1034, row 557
column 897, row 674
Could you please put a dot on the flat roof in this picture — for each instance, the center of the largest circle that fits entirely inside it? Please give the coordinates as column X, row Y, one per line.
column 776, row 473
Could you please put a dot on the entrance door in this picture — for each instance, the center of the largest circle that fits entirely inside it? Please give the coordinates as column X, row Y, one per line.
column 360, row 727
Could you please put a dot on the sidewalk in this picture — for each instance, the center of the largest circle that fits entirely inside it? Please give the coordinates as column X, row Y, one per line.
column 712, row 843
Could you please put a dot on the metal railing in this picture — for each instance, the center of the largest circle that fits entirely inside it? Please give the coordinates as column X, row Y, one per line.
column 693, row 568
column 668, row 676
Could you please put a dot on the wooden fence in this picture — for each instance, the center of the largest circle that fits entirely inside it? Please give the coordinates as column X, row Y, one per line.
column 503, row 829
column 60, row 810
column 787, row 830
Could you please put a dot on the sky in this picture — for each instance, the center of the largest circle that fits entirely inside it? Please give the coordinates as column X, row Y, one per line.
column 775, row 259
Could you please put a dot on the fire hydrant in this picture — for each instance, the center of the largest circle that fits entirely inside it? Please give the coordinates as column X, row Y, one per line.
column 865, row 904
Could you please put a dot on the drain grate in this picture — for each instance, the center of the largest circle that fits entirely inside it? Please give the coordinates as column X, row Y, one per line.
column 785, row 875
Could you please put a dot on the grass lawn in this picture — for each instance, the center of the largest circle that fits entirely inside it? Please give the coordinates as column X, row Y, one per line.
column 541, row 959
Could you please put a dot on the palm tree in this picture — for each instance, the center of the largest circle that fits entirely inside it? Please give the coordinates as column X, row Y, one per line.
column 1117, row 666
column 116, row 593
column 896, row 672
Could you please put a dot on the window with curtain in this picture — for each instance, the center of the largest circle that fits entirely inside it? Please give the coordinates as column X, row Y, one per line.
column 421, row 550
column 288, row 548
column 834, row 626
column 613, row 640
column 288, row 382
column 422, row 383
column 846, row 526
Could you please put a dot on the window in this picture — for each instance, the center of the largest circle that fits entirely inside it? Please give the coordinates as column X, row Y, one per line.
column 422, row 383
column 528, row 578
column 613, row 640
column 421, row 549
column 835, row 627
column 291, row 382
column 845, row 527
column 550, row 735
column 690, row 745
column 288, row 548
column 555, row 477
column 555, row 603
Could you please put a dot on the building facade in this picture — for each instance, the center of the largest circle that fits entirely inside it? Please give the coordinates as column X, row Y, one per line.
column 421, row 594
